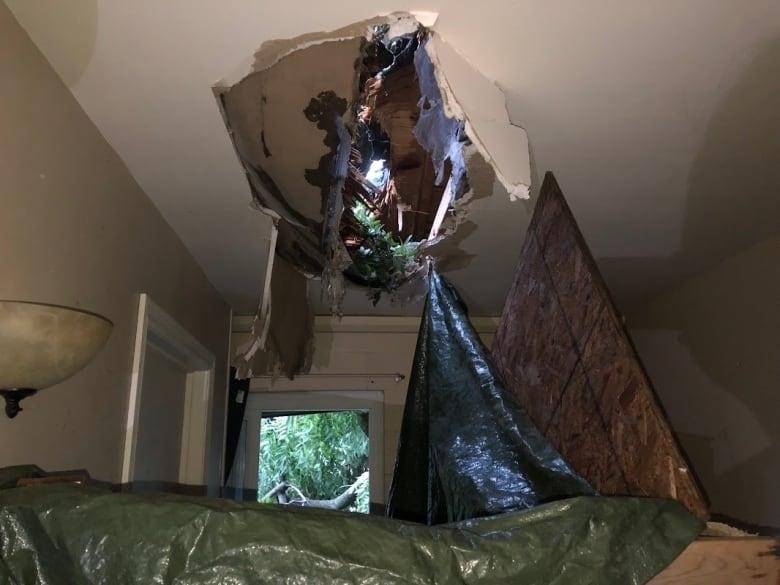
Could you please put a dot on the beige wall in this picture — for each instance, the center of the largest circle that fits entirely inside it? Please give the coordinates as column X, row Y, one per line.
column 712, row 348
column 76, row 229
column 366, row 347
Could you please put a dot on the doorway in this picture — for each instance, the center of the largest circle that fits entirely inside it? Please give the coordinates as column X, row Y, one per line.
column 170, row 399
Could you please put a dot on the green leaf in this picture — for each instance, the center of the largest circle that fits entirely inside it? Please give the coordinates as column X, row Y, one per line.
column 317, row 453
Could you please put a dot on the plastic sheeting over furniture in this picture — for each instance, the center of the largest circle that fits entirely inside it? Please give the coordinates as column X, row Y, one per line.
column 63, row 535
column 467, row 453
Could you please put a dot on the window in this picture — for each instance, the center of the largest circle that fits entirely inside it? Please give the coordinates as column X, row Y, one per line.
column 315, row 459
column 269, row 415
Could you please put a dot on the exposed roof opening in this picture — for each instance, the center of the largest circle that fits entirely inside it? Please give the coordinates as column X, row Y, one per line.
column 393, row 190
column 366, row 146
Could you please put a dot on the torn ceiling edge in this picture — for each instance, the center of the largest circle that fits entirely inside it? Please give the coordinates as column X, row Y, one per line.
column 274, row 50
column 468, row 94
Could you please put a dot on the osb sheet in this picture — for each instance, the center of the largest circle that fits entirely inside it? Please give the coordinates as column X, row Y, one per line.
column 563, row 352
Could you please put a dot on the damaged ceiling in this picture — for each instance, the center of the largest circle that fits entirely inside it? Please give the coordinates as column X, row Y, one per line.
column 659, row 121
column 404, row 162
column 403, row 159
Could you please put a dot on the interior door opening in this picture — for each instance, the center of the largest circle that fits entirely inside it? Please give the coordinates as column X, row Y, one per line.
column 316, row 459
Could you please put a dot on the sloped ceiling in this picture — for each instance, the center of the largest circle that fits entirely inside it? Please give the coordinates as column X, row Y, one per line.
column 660, row 121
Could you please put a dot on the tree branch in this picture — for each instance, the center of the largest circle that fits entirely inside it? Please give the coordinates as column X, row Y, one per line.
column 276, row 490
column 300, row 494
column 339, row 502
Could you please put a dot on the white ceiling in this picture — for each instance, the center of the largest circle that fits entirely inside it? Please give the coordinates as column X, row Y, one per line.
column 660, row 120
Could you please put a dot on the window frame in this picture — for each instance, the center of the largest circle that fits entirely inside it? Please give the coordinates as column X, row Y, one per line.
column 370, row 400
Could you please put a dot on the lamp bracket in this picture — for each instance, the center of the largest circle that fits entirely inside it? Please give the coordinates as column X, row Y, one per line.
column 12, row 398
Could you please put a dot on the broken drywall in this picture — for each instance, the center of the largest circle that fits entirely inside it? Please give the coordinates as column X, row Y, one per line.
column 305, row 118
column 282, row 337
column 276, row 139
column 470, row 96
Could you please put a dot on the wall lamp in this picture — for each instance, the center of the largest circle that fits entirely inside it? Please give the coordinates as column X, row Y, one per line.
column 42, row 345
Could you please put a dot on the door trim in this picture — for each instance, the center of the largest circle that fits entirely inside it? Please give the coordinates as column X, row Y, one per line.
column 157, row 329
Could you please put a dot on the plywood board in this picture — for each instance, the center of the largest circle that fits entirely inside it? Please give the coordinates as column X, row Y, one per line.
column 563, row 352
column 724, row 561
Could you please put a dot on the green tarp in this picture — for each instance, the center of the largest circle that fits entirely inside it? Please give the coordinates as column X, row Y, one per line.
column 65, row 535
column 465, row 452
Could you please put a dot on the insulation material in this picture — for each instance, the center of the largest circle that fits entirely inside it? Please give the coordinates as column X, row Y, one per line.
column 442, row 136
column 437, row 131
column 466, row 450
column 562, row 350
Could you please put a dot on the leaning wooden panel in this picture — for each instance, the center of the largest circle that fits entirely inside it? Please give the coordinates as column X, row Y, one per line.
column 541, row 388
column 725, row 561
column 562, row 351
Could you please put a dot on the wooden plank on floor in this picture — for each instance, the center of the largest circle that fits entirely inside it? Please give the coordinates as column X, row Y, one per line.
column 725, row 561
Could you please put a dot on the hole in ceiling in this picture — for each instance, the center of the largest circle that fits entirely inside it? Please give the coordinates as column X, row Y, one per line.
column 354, row 142
column 393, row 190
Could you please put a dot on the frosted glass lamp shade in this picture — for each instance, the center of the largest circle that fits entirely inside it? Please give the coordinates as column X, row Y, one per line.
column 42, row 345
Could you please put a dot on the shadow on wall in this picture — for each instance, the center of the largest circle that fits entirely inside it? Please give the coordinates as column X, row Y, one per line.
column 710, row 341
column 733, row 185
column 65, row 31
column 711, row 346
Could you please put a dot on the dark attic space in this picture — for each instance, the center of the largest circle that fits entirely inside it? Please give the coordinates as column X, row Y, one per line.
column 479, row 294
column 392, row 189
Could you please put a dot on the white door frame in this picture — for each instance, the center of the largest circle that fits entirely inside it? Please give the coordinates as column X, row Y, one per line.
column 158, row 330
column 369, row 400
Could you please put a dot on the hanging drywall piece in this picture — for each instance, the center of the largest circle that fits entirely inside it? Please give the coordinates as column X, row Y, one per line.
column 281, row 339
column 563, row 352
